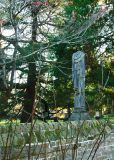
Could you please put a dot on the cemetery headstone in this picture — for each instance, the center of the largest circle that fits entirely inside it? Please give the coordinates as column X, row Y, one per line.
column 78, row 77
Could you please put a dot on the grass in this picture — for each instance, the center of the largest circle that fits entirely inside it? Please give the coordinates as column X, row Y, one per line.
column 8, row 121
column 5, row 121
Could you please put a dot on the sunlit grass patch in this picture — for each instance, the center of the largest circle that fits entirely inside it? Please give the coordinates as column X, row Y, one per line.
column 9, row 122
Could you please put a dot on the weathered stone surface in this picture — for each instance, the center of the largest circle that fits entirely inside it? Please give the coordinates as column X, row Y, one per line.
column 82, row 140
column 78, row 77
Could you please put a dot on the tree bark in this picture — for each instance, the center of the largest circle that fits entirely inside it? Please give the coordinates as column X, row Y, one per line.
column 28, row 108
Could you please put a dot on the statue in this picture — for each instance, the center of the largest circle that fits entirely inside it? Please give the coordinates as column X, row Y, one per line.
column 78, row 77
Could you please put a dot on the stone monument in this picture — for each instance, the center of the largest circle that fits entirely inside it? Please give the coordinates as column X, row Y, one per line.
column 78, row 77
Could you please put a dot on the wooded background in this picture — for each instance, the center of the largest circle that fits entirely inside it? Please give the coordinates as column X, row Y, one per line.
column 37, row 41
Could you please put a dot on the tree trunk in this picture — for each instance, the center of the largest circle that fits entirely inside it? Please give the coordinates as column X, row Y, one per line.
column 28, row 108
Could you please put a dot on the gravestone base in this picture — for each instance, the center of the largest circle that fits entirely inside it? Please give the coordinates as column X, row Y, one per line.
column 79, row 114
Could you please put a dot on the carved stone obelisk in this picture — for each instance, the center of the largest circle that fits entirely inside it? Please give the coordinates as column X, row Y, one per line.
column 78, row 77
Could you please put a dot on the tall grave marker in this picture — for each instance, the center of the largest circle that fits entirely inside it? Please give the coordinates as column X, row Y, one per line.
column 78, row 77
